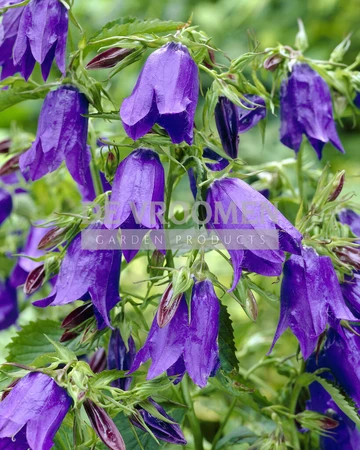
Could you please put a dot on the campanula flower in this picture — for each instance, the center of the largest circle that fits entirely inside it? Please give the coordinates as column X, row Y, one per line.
column 8, row 32
column 350, row 289
column 166, row 93
column 166, row 431
column 32, row 412
column 138, row 194
column 306, row 108
column 41, row 37
column 190, row 346
column 8, row 305
column 61, row 136
column 227, row 124
column 6, row 205
column 236, row 206
column 84, row 273
column 357, row 100
column 120, row 358
column 310, row 299
column 350, row 218
column 248, row 118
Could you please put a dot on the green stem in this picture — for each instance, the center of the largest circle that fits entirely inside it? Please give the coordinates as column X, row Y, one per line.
column 191, row 416
column 95, row 174
column 300, row 175
column 223, row 423
column 169, row 189
column 292, row 408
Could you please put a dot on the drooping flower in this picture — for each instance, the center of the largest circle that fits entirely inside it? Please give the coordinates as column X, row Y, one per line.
column 138, row 194
column 306, row 108
column 227, row 124
column 32, row 412
column 236, row 206
column 120, row 358
column 248, row 118
column 6, row 205
column 310, row 299
column 41, row 37
column 8, row 305
column 84, row 273
column 8, row 33
column 187, row 346
column 350, row 289
column 349, row 217
column 166, row 431
column 61, row 136
column 166, row 93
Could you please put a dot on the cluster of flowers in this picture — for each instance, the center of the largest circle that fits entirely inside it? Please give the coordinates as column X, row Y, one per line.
column 180, row 340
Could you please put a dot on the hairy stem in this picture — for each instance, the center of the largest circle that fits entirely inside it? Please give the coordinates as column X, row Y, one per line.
column 191, row 416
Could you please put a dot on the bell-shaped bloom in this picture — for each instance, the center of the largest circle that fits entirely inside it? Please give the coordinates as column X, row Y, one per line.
column 310, row 299
column 236, row 206
column 166, row 431
column 8, row 305
column 166, row 93
column 137, row 195
column 248, row 118
column 41, row 37
column 227, row 124
column 61, row 136
column 306, row 108
column 120, row 358
column 32, row 413
column 349, row 217
column 8, row 32
column 350, row 289
column 186, row 346
column 6, row 205
column 84, row 273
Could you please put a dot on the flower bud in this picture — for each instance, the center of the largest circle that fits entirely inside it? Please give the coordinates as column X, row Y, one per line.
column 52, row 238
column 338, row 186
column 349, row 255
column 272, row 62
column 34, row 280
column 157, row 260
column 109, row 58
column 168, row 306
column 226, row 118
column 97, row 362
column 104, row 426
column 11, row 165
column 78, row 316
column 5, row 146
column 68, row 336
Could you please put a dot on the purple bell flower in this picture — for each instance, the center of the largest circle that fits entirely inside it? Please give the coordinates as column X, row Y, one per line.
column 310, row 299
column 168, row 432
column 8, row 305
column 350, row 289
column 252, row 212
column 32, row 413
column 120, row 358
column 8, row 32
column 350, row 218
column 41, row 37
column 357, row 100
column 227, row 124
column 84, row 273
column 306, row 108
column 61, row 136
column 6, row 205
column 138, row 194
column 87, row 190
column 166, row 93
column 181, row 345
column 248, row 118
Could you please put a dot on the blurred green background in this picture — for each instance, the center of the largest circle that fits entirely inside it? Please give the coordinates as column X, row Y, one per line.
column 229, row 22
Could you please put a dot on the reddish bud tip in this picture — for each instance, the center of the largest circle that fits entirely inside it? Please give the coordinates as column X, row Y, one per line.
column 78, row 316
column 272, row 62
column 34, row 280
column 11, row 165
column 98, row 361
column 338, row 188
column 167, row 307
column 5, row 146
column 329, row 423
column 109, row 58
column 52, row 238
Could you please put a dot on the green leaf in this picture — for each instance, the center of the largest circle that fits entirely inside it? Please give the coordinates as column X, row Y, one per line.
column 227, row 347
column 63, row 354
column 240, row 435
column 106, row 377
column 19, row 91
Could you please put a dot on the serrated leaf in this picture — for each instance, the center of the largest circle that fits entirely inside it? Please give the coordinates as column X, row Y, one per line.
column 19, row 91
column 227, row 347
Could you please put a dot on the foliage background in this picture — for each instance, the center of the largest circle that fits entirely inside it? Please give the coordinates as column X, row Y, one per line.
column 230, row 23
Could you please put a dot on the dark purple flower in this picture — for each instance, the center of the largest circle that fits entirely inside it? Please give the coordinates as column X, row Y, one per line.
column 166, row 93
column 120, row 358
column 97, row 362
column 350, row 289
column 8, row 33
column 138, row 194
column 41, row 36
column 61, row 136
column 357, row 100
column 248, row 118
column 306, row 108
column 310, row 299
column 33, row 410
column 192, row 347
column 84, row 273
column 236, row 206
column 350, row 218
column 227, row 124
column 8, row 305
column 6, row 205
column 168, row 432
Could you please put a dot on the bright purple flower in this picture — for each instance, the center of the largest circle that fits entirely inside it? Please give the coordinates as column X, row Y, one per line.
column 138, row 194
column 306, row 108
column 41, row 36
column 235, row 205
column 168, row 432
column 8, row 305
column 349, row 217
column 192, row 347
column 62, row 134
column 227, row 124
column 120, row 358
column 8, row 32
column 350, row 289
column 166, row 93
column 84, row 273
column 34, row 410
column 310, row 299
column 248, row 118
column 87, row 190
column 6, row 205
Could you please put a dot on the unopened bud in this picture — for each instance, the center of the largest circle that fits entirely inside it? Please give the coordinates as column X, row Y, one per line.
column 78, row 316
column 97, row 362
column 68, row 336
column 34, row 280
column 182, row 281
column 109, row 58
column 272, row 62
column 104, row 426
column 168, row 306
column 5, row 146
column 156, row 262
column 52, row 238
column 11, row 165
column 349, row 255
column 328, row 423
column 338, row 186
column 251, row 306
